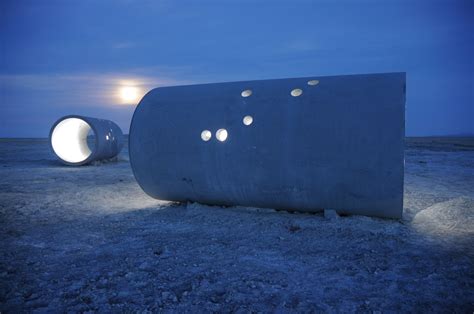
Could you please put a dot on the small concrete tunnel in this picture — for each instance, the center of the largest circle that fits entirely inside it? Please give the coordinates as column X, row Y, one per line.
column 78, row 140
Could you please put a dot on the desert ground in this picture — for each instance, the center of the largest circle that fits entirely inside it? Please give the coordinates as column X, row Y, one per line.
column 87, row 239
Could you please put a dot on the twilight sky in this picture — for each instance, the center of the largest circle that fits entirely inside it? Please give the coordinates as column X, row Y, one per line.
column 73, row 57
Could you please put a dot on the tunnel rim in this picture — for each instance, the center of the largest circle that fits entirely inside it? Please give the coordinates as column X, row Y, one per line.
column 129, row 144
column 93, row 149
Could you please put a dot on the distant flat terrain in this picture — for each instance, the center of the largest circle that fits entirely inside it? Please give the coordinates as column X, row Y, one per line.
column 88, row 239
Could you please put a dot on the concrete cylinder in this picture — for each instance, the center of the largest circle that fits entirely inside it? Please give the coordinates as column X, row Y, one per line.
column 78, row 140
column 302, row 144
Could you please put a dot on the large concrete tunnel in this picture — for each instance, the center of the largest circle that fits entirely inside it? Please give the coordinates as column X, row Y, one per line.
column 78, row 140
column 307, row 144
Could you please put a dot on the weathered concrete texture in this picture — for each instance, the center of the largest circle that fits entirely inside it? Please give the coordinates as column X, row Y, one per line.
column 106, row 141
column 337, row 145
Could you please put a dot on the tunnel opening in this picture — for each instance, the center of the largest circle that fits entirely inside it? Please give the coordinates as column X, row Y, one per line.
column 73, row 140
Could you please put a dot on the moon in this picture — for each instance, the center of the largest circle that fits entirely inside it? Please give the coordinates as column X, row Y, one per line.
column 129, row 94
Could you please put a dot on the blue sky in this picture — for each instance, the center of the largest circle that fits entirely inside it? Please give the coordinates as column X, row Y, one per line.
column 71, row 57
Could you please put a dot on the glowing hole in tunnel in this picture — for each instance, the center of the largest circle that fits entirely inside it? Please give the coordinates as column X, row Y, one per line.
column 246, row 93
column 248, row 120
column 69, row 140
column 221, row 135
column 206, row 135
column 296, row 92
column 313, row 82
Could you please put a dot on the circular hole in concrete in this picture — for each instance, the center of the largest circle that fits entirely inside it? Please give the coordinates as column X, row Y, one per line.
column 69, row 140
column 296, row 92
column 221, row 135
column 246, row 93
column 206, row 135
column 248, row 120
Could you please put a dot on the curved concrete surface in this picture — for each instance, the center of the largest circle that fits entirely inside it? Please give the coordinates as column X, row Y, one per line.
column 304, row 144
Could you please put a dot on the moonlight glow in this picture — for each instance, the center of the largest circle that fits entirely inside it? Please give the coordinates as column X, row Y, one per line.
column 129, row 94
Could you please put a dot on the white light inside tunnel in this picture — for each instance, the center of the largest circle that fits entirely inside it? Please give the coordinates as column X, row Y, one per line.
column 296, row 92
column 206, row 135
column 221, row 135
column 69, row 140
column 247, row 120
column 246, row 93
